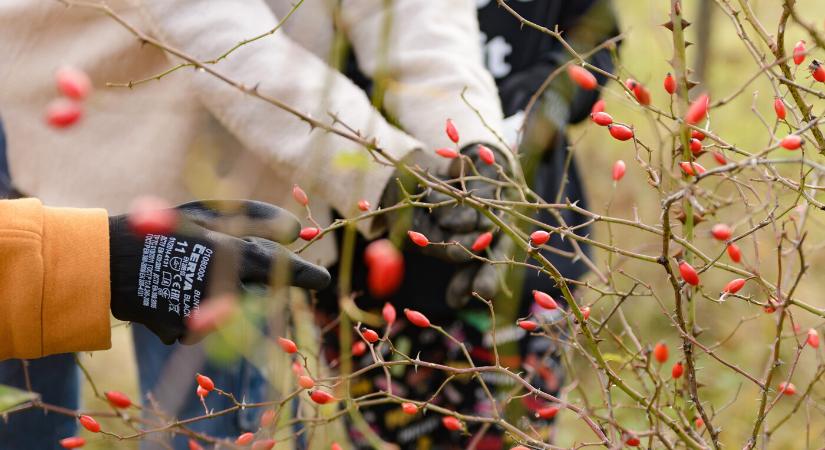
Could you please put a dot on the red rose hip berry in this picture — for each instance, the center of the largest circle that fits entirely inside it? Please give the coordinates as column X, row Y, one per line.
column 602, row 118
column 791, row 142
column 692, row 168
column 698, row 110
column 486, row 155
column 787, row 388
column 63, row 113
column 779, row 108
column 152, row 215
column 734, row 286
column 370, row 335
column 817, row 71
column 385, row 265
column 620, row 132
column 582, row 77
column 89, row 423
column 306, row 382
column 416, row 318
column 446, row 152
column 528, row 325
column 539, row 237
column 661, row 352
column 72, row 442
column 205, row 382
column 451, row 131
column 73, row 83
column 409, row 408
column 299, row 195
column 688, row 273
column 548, row 412
column 287, row 345
column 118, row 399
column 670, row 84
column 321, row 397
column 619, row 169
column 309, row 233
column 544, row 300
column 451, row 423
column 677, row 371
column 418, row 238
column 799, row 53
column 482, row 242
column 245, row 439
column 813, row 338
column 734, row 253
column 721, row 231
column 388, row 311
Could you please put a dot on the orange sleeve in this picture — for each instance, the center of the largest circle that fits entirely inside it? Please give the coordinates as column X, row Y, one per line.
column 54, row 279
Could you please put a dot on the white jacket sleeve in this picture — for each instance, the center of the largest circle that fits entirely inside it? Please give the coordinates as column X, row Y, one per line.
column 286, row 71
column 434, row 52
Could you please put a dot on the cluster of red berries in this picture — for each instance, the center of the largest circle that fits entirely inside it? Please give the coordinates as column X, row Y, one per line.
column 74, row 86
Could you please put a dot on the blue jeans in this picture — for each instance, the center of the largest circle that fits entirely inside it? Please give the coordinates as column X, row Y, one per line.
column 56, row 380
column 5, row 182
column 157, row 364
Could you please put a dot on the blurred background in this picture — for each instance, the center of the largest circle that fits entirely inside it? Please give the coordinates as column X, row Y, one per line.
column 723, row 63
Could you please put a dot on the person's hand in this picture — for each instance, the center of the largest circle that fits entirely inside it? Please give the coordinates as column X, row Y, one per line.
column 484, row 181
column 160, row 277
column 446, row 221
column 460, row 224
column 480, row 277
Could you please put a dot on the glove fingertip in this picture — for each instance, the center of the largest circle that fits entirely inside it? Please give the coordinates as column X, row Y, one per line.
column 310, row 276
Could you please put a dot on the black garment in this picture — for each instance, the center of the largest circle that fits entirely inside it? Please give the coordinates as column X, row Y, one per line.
column 520, row 58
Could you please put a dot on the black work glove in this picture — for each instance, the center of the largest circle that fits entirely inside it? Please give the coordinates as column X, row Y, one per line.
column 456, row 223
column 451, row 222
column 160, row 280
column 465, row 224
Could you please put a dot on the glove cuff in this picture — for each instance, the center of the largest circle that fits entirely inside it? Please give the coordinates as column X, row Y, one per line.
column 124, row 249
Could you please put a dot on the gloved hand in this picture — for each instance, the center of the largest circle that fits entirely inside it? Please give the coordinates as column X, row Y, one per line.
column 457, row 223
column 160, row 280
column 467, row 224
column 482, row 278
column 449, row 223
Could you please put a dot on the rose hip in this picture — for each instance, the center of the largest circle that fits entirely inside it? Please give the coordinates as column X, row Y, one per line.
column 670, row 84
column 688, row 273
column 482, row 241
column 118, row 399
column 544, row 300
column 73, row 83
column 418, row 238
column 582, row 77
column 661, row 352
column 205, row 382
column 299, row 195
column 89, row 423
column 416, row 318
column 287, row 345
column 451, row 131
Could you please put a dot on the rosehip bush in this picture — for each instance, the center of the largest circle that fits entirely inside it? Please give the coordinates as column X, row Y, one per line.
column 697, row 325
